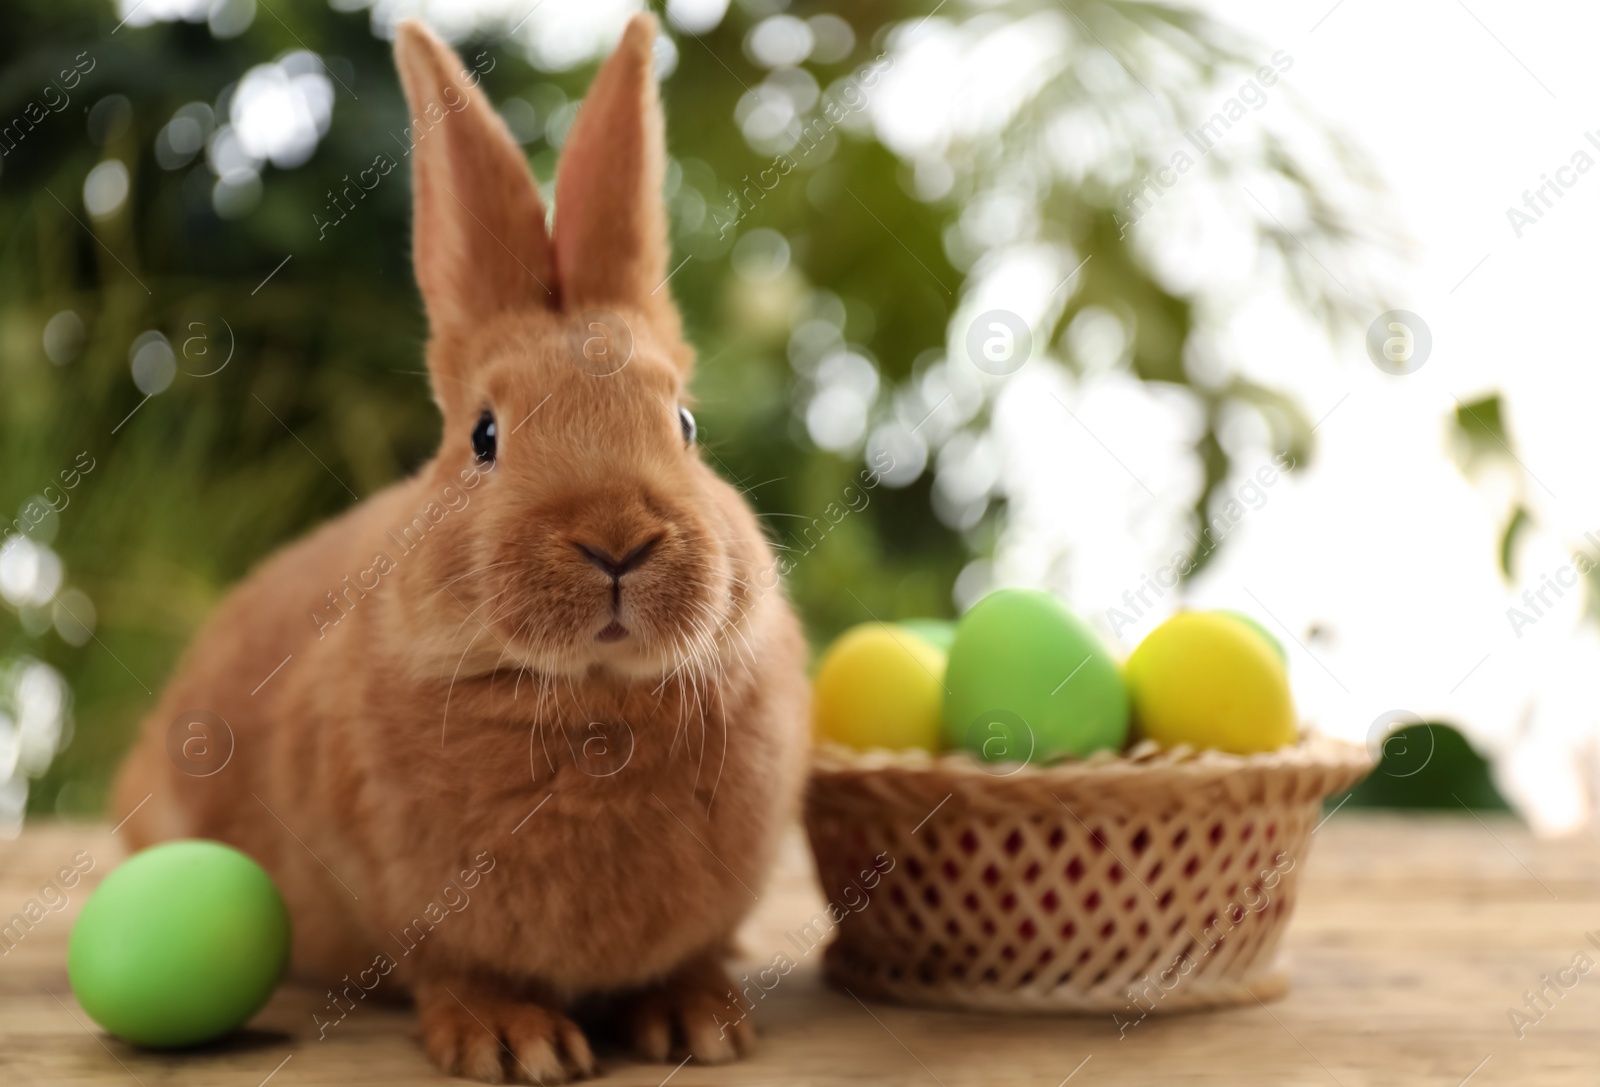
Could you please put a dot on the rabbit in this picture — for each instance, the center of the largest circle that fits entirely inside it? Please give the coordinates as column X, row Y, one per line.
column 517, row 737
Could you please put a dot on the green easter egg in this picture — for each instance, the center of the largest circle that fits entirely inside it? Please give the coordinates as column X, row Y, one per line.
column 939, row 633
column 1027, row 681
column 1254, row 624
column 181, row 944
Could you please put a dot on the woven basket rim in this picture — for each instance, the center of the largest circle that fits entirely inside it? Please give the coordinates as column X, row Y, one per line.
column 1316, row 762
column 1313, row 749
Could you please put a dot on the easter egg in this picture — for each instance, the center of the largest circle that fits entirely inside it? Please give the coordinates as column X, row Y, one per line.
column 1255, row 625
column 879, row 686
column 181, row 944
column 936, row 632
column 1029, row 681
column 1208, row 680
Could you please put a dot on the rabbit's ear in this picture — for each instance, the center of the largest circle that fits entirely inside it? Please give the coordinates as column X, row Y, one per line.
column 480, row 245
column 611, row 216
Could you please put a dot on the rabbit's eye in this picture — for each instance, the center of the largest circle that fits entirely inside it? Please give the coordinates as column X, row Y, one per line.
column 686, row 421
column 483, row 437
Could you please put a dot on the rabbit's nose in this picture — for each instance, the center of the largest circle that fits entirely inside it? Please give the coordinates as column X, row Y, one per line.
column 614, row 567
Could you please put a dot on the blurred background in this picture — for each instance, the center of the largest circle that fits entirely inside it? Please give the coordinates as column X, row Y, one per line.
column 1271, row 307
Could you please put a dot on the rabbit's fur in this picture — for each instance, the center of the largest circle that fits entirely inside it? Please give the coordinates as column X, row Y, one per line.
column 451, row 775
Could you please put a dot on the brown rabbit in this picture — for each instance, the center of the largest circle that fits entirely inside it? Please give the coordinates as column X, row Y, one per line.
column 520, row 733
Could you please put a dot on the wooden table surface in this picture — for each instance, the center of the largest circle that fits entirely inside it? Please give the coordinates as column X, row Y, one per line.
column 1413, row 938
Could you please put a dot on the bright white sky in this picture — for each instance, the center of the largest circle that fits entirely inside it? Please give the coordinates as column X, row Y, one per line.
column 1381, row 546
column 1461, row 110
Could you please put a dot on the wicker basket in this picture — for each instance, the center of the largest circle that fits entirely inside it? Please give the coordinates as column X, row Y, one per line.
column 1124, row 883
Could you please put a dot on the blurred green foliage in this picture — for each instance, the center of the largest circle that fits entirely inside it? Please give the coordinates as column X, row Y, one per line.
column 1426, row 766
column 206, row 478
column 324, row 397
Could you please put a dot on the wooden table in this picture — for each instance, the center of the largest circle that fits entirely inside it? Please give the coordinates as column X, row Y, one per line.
column 1414, row 937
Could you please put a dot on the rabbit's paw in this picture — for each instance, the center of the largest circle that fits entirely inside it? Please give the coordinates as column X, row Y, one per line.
column 693, row 1013
column 469, row 1032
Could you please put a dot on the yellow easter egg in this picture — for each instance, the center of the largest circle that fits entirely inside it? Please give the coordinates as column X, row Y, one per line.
column 879, row 686
column 1208, row 680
